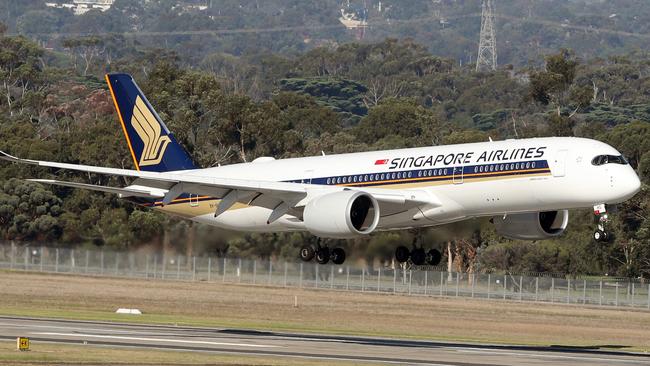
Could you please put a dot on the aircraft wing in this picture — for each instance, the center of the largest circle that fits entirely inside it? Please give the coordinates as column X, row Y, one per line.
column 281, row 197
column 123, row 192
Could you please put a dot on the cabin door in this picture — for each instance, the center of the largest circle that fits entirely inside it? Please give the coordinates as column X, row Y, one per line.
column 559, row 165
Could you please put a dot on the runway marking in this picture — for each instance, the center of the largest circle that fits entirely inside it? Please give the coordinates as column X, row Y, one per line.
column 582, row 358
column 146, row 339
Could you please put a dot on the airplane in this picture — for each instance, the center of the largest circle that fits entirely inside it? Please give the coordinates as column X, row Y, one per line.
column 526, row 186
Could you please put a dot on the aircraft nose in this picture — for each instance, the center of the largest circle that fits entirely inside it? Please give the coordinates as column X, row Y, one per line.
column 633, row 183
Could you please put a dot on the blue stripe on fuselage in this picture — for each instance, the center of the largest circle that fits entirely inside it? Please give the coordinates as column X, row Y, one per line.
column 470, row 172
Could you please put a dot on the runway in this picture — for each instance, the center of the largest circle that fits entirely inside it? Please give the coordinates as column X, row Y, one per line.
column 307, row 346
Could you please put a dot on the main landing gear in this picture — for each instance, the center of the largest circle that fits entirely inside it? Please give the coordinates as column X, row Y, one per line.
column 602, row 219
column 418, row 256
column 322, row 254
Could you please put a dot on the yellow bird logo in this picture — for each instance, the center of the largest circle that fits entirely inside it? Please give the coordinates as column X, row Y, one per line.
column 148, row 128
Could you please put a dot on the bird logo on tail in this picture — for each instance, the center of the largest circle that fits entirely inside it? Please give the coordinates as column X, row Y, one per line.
column 148, row 128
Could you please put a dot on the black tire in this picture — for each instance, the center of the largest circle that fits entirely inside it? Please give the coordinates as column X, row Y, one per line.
column 434, row 257
column 337, row 256
column 307, row 253
column 402, row 254
column 598, row 235
column 418, row 256
column 606, row 237
column 323, row 255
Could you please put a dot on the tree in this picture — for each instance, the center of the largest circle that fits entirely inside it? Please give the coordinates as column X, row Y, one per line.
column 28, row 211
column 399, row 117
column 88, row 48
column 551, row 85
column 20, row 67
column 342, row 95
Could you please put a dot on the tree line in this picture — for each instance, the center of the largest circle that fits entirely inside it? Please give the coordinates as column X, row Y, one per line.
column 353, row 97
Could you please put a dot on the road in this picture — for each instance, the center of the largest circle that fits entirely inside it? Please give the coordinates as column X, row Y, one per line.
column 308, row 346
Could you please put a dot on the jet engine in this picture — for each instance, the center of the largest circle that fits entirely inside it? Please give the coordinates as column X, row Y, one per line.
column 532, row 226
column 341, row 215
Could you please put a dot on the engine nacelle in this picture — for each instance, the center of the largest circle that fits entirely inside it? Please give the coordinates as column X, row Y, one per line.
column 341, row 215
column 532, row 226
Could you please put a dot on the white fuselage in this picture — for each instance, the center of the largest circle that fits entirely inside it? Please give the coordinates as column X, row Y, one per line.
column 466, row 181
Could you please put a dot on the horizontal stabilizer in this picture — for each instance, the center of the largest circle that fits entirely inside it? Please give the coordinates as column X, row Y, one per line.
column 123, row 192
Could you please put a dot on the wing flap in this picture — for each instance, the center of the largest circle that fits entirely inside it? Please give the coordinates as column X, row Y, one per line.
column 123, row 192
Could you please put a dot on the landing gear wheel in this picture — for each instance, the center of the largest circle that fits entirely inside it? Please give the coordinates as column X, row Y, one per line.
column 323, row 255
column 307, row 253
column 606, row 237
column 602, row 220
column 599, row 235
column 418, row 256
column 402, row 254
column 337, row 256
column 433, row 257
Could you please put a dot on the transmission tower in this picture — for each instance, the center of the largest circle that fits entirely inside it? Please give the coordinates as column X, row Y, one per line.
column 487, row 47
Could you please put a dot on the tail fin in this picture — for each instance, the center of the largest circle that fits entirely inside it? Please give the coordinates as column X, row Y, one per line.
column 153, row 147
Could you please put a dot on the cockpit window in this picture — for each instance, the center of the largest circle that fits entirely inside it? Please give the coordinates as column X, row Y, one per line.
column 609, row 159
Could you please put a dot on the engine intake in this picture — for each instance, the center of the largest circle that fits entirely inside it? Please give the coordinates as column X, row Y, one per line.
column 342, row 215
column 533, row 225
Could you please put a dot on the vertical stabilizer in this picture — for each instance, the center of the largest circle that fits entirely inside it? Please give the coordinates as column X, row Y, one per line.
column 152, row 146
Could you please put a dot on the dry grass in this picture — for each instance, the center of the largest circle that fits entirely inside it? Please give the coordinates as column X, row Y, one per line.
column 215, row 304
column 50, row 354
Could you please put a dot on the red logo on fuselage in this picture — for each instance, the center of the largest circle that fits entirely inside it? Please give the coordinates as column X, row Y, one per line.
column 381, row 162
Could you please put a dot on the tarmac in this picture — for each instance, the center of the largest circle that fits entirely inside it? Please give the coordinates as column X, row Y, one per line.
column 372, row 350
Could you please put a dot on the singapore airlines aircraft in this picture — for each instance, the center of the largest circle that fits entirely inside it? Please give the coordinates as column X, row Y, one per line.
column 525, row 185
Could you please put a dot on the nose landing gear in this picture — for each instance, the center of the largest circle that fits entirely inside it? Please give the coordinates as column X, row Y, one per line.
column 602, row 219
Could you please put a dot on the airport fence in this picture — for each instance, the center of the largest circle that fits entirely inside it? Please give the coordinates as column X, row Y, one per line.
column 629, row 293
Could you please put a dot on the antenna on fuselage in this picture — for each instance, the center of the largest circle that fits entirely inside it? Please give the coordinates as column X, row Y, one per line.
column 322, row 152
column 490, row 137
